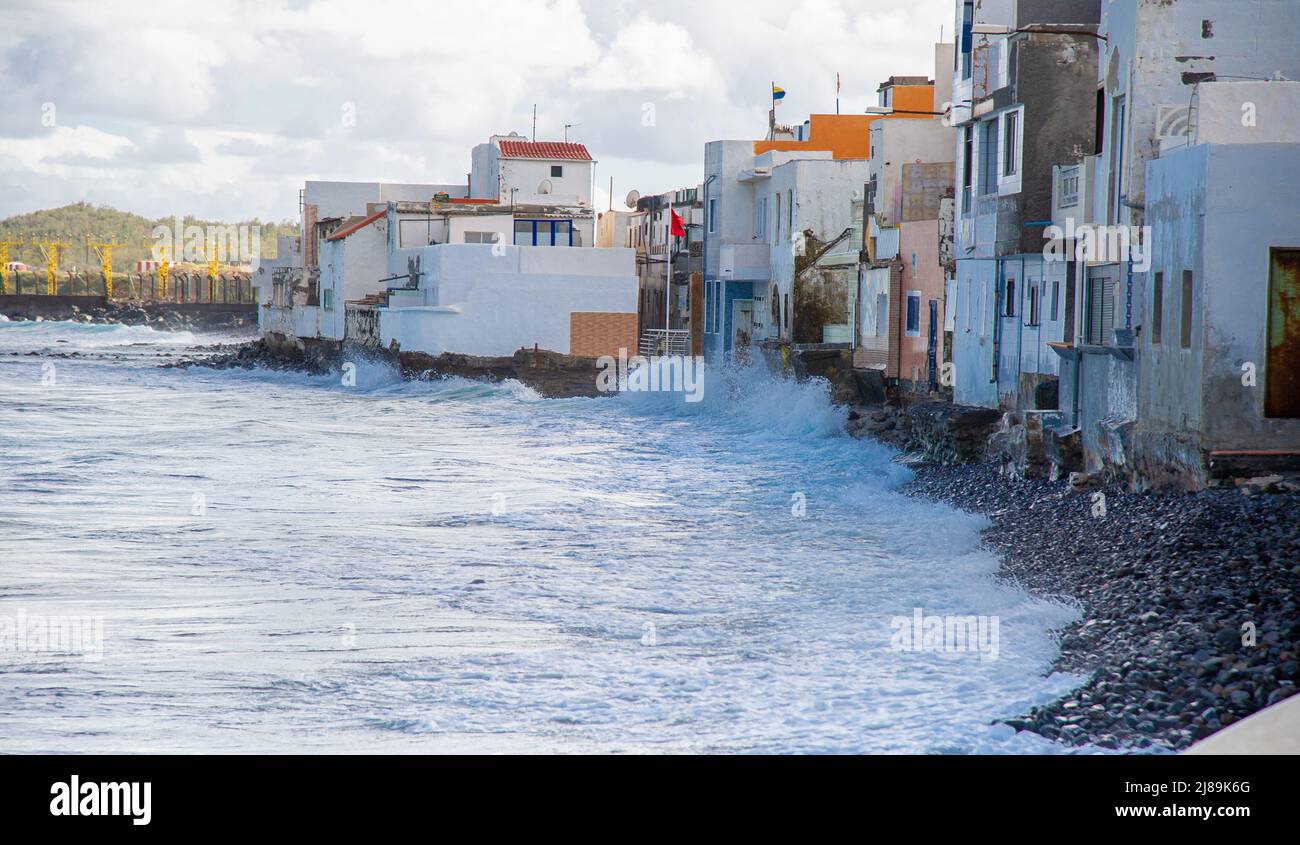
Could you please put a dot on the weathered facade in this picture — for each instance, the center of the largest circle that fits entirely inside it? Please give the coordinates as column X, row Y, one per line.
column 1032, row 95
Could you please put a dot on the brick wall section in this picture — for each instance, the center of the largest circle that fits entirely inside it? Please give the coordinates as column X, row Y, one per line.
column 596, row 333
column 897, row 317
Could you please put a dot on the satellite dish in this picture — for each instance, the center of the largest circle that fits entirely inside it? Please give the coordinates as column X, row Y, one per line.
column 633, row 197
column 545, row 187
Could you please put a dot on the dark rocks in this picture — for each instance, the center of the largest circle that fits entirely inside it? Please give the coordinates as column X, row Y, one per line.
column 1166, row 583
column 162, row 316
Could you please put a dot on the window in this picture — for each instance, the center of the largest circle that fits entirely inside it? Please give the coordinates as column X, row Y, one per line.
column 1116, row 197
column 967, row 166
column 1011, row 134
column 777, row 221
column 720, row 299
column 480, row 237
column 543, row 233
column 1031, row 290
column 1101, row 310
column 1056, row 301
column 1157, row 307
column 1068, row 190
column 1099, row 138
column 713, row 216
column 988, row 157
column 1010, row 306
column 789, row 211
column 1186, row 339
column 787, row 312
column 327, row 299
column 967, row 27
column 760, row 219
column 557, row 170
column 913, row 313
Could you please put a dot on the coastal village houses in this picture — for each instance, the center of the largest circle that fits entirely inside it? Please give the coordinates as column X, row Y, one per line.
column 779, row 213
column 1082, row 222
column 1148, row 337
column 504, row 261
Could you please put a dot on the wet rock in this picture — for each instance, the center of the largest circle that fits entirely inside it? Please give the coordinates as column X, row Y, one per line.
column 1164, row 582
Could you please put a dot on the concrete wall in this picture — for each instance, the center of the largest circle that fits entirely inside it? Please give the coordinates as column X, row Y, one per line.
column 351, row 268
column 822, row 192
column 1217, row 210
column 611, row 228
column 499, row 224
column 475, row 302
column 921, row 272
column 341, row 199
column 527, row 175
column 1172, row 377
column 1055, row 81
column 1247, row 112
column 1156, row 53
column 484, row 182
column 895, row 143
column 735, row 199
column 1031, row 12
column 973, row 333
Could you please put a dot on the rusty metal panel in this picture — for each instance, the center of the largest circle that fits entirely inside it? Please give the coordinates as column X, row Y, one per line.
column 1282, row 372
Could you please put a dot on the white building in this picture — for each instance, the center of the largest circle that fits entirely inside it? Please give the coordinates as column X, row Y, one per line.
column 510, row 169
column 519, row 193
column 493, row 299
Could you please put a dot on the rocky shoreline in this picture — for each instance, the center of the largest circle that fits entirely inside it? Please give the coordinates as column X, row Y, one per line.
column 551, row 374
column 162, row 316
column 249, row 355
column 1190, row 602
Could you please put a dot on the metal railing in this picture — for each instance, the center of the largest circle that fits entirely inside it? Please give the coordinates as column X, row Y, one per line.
column 665, row 342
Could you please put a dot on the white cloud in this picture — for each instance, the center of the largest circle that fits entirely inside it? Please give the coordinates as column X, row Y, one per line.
column 656, row 56
column 222, row 107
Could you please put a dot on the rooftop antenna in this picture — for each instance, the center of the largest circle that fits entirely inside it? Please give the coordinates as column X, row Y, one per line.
column 534, row 121
column 567, row 127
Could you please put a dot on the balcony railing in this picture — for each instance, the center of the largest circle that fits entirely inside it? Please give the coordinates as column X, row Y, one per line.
column 665, row 342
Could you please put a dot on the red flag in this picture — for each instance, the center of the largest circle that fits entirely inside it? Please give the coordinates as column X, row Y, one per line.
column 677, row 230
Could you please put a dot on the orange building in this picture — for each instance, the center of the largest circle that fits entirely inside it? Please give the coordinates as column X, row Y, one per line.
column 849, row 135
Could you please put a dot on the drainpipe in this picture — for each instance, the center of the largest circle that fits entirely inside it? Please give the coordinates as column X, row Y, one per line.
column 997, row 319
column 1020, row 327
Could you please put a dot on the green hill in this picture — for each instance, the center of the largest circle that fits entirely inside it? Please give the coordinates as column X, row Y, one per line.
column 73, row 224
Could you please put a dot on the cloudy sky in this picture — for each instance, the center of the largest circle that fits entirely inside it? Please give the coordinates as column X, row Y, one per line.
column 222, row 108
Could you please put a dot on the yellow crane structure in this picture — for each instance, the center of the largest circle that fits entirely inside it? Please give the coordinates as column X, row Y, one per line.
column 4, row 264
column 164, row 253
column 210, row 254
column 50, row 251
column 105, row 253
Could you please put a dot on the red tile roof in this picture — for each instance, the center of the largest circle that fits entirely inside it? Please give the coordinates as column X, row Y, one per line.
column 544, row 149
column 357, row 226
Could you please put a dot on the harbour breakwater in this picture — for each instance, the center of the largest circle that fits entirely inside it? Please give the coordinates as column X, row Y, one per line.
column 161, row 315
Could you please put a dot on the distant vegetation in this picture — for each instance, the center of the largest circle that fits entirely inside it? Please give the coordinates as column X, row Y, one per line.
column 73, row 224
